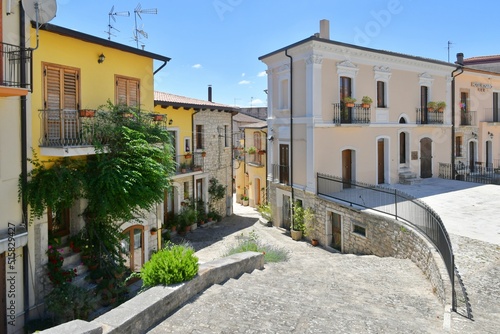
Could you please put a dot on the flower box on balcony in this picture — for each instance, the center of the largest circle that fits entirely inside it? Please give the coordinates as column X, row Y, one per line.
column 87, row 113
column 188, row 155
column 158, row 117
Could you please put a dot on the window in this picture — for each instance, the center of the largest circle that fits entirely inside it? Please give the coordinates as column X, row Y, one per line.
column 59, row 221
column 359, row 230
column 199, row 137
column 61, row 101
column 257, row 142
column 496, row 107
column 283, row 96
column 127, row 91
column 345, row 87
column 186, row 190
column 458, row 146
column 187, row 145
column 464, row 103
column 284, row 164
column 381, row 94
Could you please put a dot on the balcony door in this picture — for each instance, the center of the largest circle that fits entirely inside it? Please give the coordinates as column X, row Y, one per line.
column 284, row 164
column 345, row 91
column 424, row 99
column 133, row 247
column 496, row 107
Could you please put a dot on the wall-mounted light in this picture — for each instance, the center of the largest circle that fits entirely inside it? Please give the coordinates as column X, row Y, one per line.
column 474, row 135
column 101, row 58
column 490, row 134
column 170, row 122
column 270, row 138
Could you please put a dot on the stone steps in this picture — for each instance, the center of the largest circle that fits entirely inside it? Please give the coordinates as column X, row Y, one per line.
column 408, row 177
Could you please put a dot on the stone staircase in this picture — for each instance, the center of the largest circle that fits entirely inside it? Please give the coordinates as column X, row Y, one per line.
column 73, row 261
column 406, row 176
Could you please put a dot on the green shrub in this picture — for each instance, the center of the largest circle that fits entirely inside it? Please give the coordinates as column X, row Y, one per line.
column 174, row 264
column 252, row 244
column 68, row 302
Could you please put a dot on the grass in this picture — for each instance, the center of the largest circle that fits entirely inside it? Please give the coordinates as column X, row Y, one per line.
column 252, row 244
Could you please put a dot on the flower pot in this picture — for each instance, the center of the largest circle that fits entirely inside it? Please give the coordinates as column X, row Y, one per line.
column 349, row 105
column 296, row 235
column 203, row 154
column 188, row 155
column 365, row 105
column 158, row 117
column 153, row 232
column 87, row 113
column 314, row 242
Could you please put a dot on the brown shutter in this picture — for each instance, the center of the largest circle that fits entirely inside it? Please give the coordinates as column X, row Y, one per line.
column 121, row 91
column 127, row 92
column 133, row 91
column 70, row 91
column 52, row 88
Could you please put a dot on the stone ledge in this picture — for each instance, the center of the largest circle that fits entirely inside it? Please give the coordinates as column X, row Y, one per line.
column 155, row 304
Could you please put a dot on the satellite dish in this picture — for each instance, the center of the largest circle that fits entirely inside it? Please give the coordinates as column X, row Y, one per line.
column 40, row 11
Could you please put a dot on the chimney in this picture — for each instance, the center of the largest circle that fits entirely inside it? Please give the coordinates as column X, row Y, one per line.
column 210, row 93
column 460, row 59
column 324, row 29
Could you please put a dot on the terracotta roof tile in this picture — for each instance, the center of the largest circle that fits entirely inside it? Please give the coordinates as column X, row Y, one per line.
column 163, row 98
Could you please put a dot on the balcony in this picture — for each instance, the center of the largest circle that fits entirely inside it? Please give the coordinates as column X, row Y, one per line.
column 190, row 163
column 492, row 115
column 429, row 116
column 13, row 60
column 468, row 118
column 350, row 115
column 68, row 132
column 281, row 174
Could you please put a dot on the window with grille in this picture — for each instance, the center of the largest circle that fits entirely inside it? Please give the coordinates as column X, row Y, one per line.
column 127, row 91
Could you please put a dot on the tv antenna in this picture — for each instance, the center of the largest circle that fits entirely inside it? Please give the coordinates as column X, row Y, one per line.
column 140, row 32
column 449, row 46
column 40, row 11
column 111, row 15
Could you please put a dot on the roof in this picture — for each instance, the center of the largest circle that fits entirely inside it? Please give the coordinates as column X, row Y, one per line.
column 257, row 125
column 329, row 41
column 100, row 41
column 178, row 101
column 482, row 59
column 245, row 118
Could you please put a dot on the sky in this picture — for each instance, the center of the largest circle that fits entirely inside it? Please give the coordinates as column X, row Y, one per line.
column 218, row 42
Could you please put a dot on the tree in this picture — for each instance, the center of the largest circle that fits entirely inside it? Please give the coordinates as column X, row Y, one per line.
column 130, row 172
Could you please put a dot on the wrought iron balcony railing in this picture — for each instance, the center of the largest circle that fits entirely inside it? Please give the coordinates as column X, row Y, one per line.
column 190, row 162
column 13, row 58
column 281, row 174
column 468, row 118
column 351, row 115
column 429, row 116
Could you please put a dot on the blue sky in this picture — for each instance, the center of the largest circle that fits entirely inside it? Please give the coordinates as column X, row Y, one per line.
column 218, row 42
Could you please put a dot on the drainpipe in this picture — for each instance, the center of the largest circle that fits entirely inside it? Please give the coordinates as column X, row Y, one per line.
column 460, row 63
column 265, row 136
column 291, row 135
column 24, row 157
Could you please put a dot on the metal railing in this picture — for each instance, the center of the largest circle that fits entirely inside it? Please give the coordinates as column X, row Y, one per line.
column 72, row 128
column 350, row 115
column 281, row 174
column 478, row 172
column 468, row 118
column 429, row 116
column 401, row 206
column 13, row 58
column 492, row 115
column 190, row 162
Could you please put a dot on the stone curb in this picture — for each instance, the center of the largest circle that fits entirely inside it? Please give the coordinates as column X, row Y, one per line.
column 155, row 304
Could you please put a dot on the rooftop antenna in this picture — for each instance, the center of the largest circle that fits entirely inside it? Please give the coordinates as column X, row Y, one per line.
column 40, row 11
column 449, row 46
column 138, row 11
column 111, row 15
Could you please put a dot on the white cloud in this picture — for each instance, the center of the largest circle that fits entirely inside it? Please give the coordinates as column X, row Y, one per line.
column 244, row 82
column 196, row 66
column 262, row 74
column 257, row 102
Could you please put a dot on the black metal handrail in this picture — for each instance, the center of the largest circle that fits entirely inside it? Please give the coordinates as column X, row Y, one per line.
column 401, row 206
column 429, row 116
column 478, row 172
column 357, row 114
column 13, row 58
column 468, row 118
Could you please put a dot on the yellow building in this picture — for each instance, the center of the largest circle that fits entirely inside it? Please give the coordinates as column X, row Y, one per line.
column 202, row 139
column 73, row 75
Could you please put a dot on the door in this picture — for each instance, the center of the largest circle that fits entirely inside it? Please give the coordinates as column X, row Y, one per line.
column 284, row 164
column 489, row 162
column 58, row 222
column 496, row 107
column 336, row 231
column 168, row 206
column 402, row 148
column 472, row 156
column 425, row 158
column 286, row 213
column 257, row 198
column 132, row 246
column 381, row 161
column 345, row 91
column 347, row 168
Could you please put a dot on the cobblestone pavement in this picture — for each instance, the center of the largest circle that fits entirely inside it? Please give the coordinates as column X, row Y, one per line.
column 314, row 292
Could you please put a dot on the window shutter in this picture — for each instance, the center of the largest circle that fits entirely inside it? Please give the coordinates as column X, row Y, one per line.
column 121, row 91
column 133, row 91
column 127, row 92
column 52, row 88
column 70, row 89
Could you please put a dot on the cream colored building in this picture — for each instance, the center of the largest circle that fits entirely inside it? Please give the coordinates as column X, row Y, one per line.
column 312, row 130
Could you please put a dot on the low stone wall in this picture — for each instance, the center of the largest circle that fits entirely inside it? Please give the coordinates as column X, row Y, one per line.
column 155, row 304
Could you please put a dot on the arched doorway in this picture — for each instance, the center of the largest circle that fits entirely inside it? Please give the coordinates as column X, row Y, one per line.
column 425, row 158
column 133, row 247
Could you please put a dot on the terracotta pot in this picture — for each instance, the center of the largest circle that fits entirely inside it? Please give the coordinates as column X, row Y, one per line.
column 314, row 242
column 365, row 105
column 349, row 105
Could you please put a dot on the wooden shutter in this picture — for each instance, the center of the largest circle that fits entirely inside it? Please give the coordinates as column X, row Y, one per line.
column 127, row 91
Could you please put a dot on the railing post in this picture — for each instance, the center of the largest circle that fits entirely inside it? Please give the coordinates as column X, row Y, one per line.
column 396, row 203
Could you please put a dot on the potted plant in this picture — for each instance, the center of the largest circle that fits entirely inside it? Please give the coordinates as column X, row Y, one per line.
column 183, row 167
column 188, row 155
column 349, row 101
column 153, row 230
column 244, row 200
column 303, row 220
column 431, row 105
column 203, row 154
column 440, row 106
column 87, row 113
column 262, row 152
column 158, row 117
column 251, row 150
column 366, row 101
column 76, row 242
